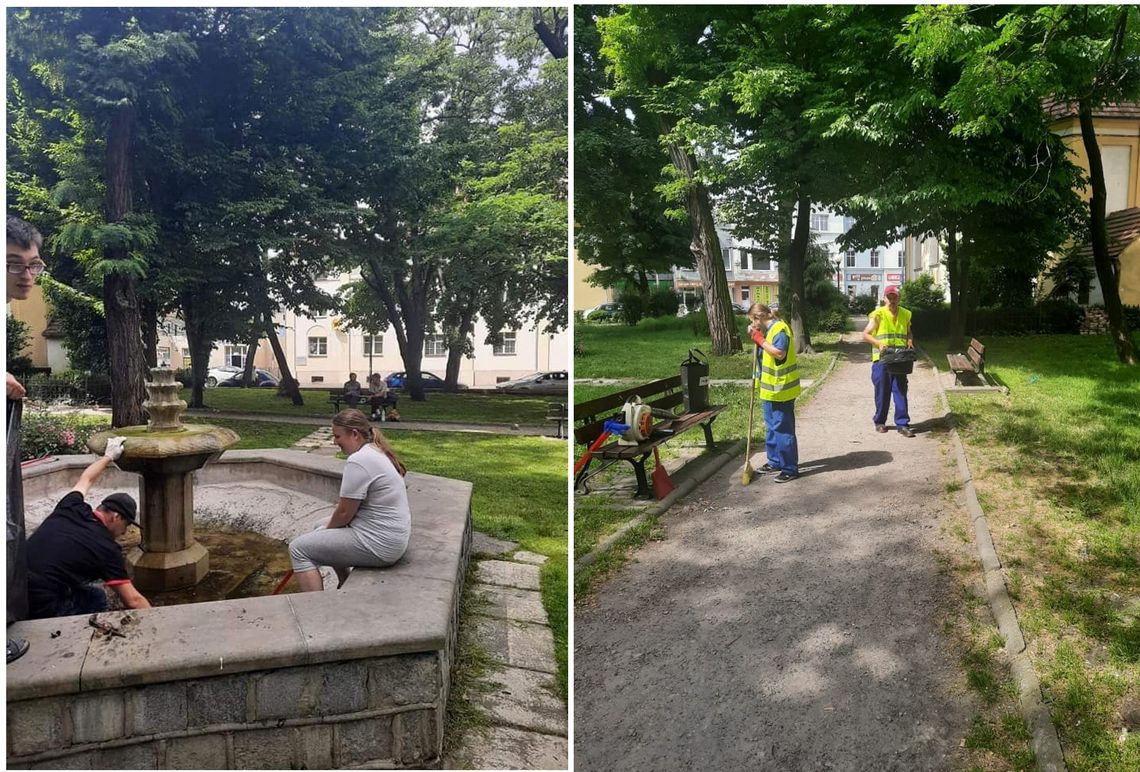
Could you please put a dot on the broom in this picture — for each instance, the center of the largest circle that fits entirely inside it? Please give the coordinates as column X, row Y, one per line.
column 746, row 477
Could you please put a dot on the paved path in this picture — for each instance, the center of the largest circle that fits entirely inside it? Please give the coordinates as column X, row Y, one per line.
column 528, row 720
column 791, row 626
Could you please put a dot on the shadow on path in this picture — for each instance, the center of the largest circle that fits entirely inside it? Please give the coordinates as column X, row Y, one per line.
column 848, row 461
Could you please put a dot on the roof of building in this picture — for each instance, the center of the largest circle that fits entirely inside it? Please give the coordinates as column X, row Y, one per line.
column 1057, row 110
column 54, row 328
column 1123, row 227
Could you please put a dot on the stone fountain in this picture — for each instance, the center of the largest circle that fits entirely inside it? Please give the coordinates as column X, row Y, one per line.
column 166, row 454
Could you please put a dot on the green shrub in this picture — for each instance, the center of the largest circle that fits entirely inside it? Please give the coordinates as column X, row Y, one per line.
column 1049, row 317
column 57, row 434
column 699, row 321
column 663, row 301
column 921, row 293
column 864, row 304
column 831, row 321
column 633, row 306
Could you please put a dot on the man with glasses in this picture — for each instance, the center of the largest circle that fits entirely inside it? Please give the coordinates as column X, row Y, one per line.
column 24, row 265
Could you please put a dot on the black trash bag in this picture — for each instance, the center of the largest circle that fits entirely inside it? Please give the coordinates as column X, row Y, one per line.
column 899, row 360
column 695, row 381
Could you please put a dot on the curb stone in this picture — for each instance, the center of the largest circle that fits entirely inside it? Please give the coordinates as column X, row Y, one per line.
column 1046, row 743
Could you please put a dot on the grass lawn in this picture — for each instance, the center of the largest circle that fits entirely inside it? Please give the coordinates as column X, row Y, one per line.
column 1057, row 466
column 662, row 344
column 258, row 434
column 461, row 407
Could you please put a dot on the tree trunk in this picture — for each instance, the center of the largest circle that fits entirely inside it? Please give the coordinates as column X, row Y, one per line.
column 956, row 275
column 797, row 256
column 455, row 352
column 554, row 40
column 288, row 386
column 250, row 352
column 120, row 298
column 149, row 313
column 200, row 347
column 1106, row 273
column 706, row 250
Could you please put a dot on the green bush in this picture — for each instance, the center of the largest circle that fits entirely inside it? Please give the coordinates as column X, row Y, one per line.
column 663, row 301
column 1049, row 317
column 57, row 434
column 831, row 321
column 633, row 306
column 864, row 304
column 921, row 293
column 699, row 321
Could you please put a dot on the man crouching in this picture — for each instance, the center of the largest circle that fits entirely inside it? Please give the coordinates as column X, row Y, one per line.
column 75, row 547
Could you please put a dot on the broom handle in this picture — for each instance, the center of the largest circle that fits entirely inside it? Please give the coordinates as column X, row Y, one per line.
column 586, row 457
column 284, row 582
column 751, row 405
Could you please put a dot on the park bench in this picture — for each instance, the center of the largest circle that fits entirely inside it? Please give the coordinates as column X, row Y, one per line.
column 664, row 395
column 556, row 411
column 972, row 363
column 336, row 396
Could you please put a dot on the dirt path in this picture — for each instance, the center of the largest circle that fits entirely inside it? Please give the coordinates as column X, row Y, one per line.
column 793, row 626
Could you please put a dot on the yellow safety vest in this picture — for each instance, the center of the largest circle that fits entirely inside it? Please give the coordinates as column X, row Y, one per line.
column 892, row 332
column 779, row 381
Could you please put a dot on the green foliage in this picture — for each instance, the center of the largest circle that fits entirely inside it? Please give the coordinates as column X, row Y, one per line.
column 864, row 304
column 1050, row 317
column 17, row 340
column 832, row 321
column 43, row 433
column 663, row 301
column 921, row 293
column 634, row 306
column 84, row 326
column 1072, row 276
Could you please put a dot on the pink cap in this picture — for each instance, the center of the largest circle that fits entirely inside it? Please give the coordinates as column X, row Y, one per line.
column 891, row 290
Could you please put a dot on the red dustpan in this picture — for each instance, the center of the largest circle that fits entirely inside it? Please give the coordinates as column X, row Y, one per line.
column 662, row 485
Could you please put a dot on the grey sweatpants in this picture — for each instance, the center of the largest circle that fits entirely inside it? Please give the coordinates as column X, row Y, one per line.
column 336, row 547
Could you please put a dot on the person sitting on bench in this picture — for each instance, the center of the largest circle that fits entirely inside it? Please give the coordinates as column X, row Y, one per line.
column 352, row 390
column 74, row 548
column 381, row 399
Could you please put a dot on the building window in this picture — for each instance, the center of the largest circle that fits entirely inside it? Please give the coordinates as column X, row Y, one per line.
column 851, row 258
column 235, row 356
column 848, row 223
column 435, row 346
column 373, row 345
column 744, row 295
column 726, row 256
column 902, row 257
column 318, row 347
column 317, row 379
column 505, row 344
column 875, row 291
column 819, row 221
column 874, row 258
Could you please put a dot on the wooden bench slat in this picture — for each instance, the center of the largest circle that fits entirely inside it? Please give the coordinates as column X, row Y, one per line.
column 611, row 402
column 677, row 426
column 976, row 345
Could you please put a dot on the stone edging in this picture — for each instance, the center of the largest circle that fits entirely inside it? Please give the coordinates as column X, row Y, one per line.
column 707, row 470
column 1046, row 744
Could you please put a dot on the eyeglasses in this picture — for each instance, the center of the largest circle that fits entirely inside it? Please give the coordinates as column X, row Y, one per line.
column 35, row 269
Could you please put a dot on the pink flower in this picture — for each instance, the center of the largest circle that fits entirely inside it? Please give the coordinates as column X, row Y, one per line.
column 67, row 437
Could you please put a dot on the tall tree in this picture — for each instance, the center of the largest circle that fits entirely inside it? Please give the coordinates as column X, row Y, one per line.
column 1086, row 56
column 657, row 56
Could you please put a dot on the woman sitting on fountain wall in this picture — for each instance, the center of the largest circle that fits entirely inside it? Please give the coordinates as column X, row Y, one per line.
column 372, row 522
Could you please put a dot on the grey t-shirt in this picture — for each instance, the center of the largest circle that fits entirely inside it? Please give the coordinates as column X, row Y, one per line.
column 383, row 524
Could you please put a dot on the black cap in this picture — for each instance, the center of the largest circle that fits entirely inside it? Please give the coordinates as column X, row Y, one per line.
column 122, row 504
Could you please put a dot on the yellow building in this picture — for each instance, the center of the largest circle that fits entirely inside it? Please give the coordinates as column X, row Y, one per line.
column 1118, row 135
column 33, row 311
column 586, row 295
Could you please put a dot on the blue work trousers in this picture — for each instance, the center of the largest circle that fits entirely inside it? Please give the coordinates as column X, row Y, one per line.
column 885, row 385
column 780, row 441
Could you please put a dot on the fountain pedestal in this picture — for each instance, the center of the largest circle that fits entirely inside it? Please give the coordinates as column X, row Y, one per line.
column 166, row 453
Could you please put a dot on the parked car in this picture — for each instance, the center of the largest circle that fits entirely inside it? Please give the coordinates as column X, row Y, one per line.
column 218, row 374
column 602, row 311
column 554, row 382
column 261, row 378
column 740, row 308
column 431, row 381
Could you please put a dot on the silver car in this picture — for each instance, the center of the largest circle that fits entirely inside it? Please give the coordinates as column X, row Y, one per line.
column 554, row 382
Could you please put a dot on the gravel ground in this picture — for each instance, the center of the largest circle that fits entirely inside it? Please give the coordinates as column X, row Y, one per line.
column 794, row 626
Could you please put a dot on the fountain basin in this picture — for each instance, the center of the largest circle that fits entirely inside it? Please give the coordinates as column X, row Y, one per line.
column 351, row 677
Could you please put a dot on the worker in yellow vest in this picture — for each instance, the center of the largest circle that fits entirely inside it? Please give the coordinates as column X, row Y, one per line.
column 779, row 385
column 889, row 325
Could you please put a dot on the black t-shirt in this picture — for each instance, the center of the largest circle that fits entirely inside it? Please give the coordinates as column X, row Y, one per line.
column 70, row 548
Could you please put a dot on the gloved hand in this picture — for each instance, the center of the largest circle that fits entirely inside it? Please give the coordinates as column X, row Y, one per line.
column 114, row 448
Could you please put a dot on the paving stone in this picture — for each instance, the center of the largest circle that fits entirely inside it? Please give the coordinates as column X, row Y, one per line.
column 505, row 748
column 526, row 700
column 516, row 644
column 522, row 556
column 483, row 544
column 507, row 574
column 512, row 603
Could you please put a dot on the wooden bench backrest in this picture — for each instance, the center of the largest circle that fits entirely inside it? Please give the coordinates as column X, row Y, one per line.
column 976, row 345
column 336, row 392
column 593, row 414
